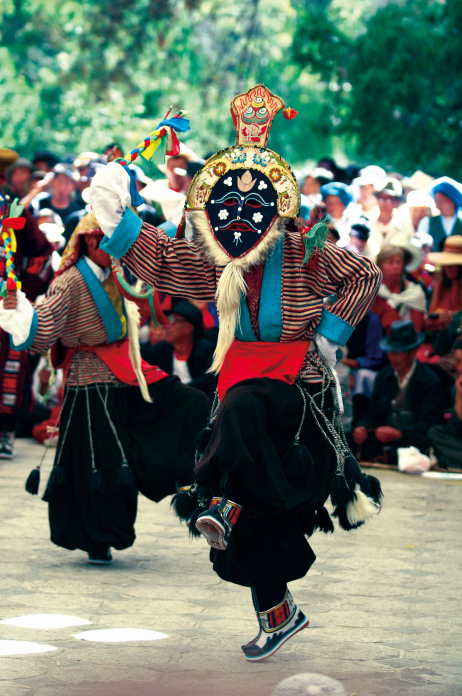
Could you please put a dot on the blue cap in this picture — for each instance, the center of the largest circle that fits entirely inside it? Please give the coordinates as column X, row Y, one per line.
column 336, row 188
column 448, row 187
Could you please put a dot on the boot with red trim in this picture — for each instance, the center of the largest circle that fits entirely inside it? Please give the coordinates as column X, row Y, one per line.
column 277, row 625
column 217, row 523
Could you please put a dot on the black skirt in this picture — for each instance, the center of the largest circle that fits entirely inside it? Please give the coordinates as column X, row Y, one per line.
column 158, row 442
column 255, row 427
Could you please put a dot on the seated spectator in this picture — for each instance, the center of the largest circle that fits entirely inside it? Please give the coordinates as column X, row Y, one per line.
column 406, row 401
column 47, row 389
column 397, row 297
column 170, row 193
column 365, row 187
column 311, row 187
column 19, row 176
column 112, row 151
column 183, row 353
column 365, row 358
column 46, row 215
column 389, row 223
column 359, row 239
column 447, row 439
column 420, row 206
column 337, row 198
column 54, row 235
column 39, row 188
column 447, row 194
column 328, row 163
column 61, row 199
column 447, row 290
column 45, row 161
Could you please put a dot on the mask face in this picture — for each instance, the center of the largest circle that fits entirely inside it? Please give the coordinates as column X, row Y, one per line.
column 241, row 208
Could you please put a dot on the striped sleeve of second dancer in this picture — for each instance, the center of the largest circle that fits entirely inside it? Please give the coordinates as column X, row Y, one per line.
column 173, row 266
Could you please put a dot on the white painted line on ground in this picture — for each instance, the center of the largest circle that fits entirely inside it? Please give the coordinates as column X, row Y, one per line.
column 119, row 635
column 45, row 621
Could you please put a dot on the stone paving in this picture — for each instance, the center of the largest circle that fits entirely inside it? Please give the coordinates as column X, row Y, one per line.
column 384, row 603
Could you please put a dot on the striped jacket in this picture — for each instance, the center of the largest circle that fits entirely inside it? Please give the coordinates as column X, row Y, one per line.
column 69, row 313
column 176, row 267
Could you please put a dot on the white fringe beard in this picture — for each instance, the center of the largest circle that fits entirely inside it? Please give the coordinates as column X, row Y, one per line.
column 231, row 284
column 133, row 323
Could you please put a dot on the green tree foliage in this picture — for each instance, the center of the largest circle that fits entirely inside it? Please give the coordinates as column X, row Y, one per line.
column 402, row 104
column 76, row 75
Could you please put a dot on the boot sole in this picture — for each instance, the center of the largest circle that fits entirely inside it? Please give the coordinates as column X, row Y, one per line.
column 213, row 532
column 98, row 562
column 260, row 658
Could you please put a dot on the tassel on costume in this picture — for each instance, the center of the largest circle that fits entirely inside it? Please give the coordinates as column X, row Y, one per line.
column 184, row 503
column 355, row 496
column 203, row 439
column 126, row 481
column 372, row 488
column 193, row 531
column 297, row 463
column 56, row 480
column 308, row 523
column 324, row 522
column 33, row 481
column 97, row 487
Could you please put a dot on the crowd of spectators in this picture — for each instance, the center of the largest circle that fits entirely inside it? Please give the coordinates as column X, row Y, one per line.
column 404, row 361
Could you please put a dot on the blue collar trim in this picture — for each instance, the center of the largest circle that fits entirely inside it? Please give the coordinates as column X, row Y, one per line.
column 105, row 307
column 270, row 312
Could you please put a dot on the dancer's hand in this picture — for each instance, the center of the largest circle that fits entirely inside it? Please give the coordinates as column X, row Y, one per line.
column 110, row 196
column 10, row 301
column 360, row 435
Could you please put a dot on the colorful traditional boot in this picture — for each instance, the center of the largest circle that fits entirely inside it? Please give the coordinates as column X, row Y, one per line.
column 277, row 625
column 7, row 445
column 217, row 523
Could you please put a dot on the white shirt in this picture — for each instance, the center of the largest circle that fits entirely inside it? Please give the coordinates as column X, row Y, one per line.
column 384, row 234
column 407, row 376
column 447, row 222
column 181, row 370
column 101, row 273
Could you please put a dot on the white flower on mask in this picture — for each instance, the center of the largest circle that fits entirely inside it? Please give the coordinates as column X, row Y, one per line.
column 262, row 185
column 223, row 214
column 228, row 181
column 257, row 217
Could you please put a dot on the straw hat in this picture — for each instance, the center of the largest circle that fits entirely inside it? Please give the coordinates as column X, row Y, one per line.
column 7, row 158
column 451, row 254
column 419, row 180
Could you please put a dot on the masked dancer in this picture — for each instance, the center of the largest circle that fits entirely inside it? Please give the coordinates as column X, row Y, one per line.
column 274, row 447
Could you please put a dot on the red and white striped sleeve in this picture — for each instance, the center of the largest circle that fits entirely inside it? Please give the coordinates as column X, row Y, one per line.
column 172, row 266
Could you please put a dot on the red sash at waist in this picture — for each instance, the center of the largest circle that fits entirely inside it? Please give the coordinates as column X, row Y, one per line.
column 115, row 356
column 247, row 360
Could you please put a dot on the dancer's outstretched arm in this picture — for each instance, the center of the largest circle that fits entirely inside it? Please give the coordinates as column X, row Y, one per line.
column 173, row 266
